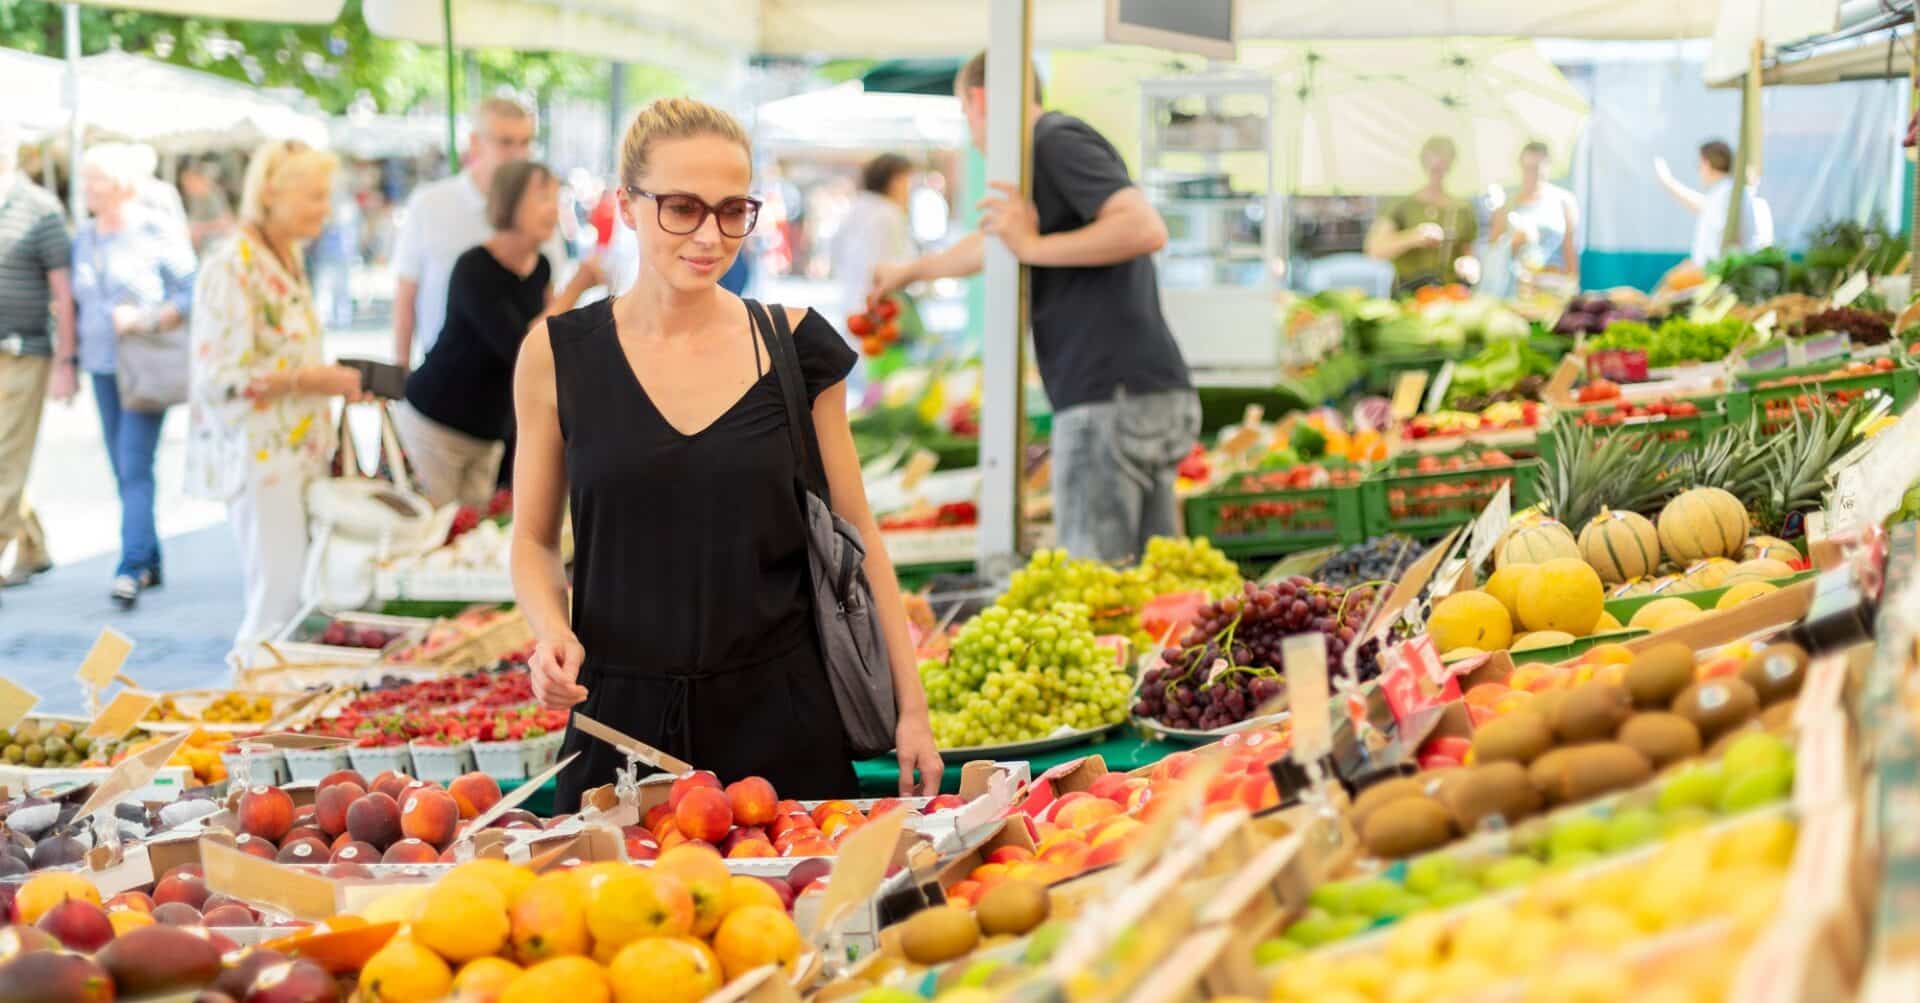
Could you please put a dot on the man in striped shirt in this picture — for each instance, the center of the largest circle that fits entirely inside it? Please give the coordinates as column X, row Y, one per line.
column 35, row 255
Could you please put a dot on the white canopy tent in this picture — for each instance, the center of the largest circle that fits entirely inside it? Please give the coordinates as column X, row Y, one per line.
column 181, row 110
column 278, row 11
column 848, row 118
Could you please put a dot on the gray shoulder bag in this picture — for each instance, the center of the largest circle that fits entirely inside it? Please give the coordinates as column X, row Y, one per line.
column 851, row 641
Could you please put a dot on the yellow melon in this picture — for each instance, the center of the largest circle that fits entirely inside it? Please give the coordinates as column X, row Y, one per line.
column 1470, row 620
column 1708, row 574
column 1621, row 546
column 1627, row 590
column 1504, row 585
column 1744, row 591
column 1660, row 614
column 1535, row 640
column 1562, row 594
column 1770, row 547
column 1701, row 523
column 1607, row 623
column 1664, row 584
column 1760, row 569
column 1460, row 655
column 1538, row 543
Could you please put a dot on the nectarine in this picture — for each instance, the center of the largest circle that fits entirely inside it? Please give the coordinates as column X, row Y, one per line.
column 429, row 815
column 374, row 819
column 266, row 812
column 704, row 813
column 410, row 851
column 331, row 806
column 753, row 801
column 474, row 793
column 692, row 781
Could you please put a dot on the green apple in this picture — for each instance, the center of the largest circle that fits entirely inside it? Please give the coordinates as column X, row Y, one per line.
column 1579, row 833
column 1277, row 949
column 1754, row 788
column 1631, row 828
column 1453, row 893
column 1424, row 874
column 1755, row 750
column 1695, row 786
column 1511, row 872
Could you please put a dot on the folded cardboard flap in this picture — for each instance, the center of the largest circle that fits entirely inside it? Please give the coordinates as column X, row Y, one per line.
column 133, row 773
column 251, row 879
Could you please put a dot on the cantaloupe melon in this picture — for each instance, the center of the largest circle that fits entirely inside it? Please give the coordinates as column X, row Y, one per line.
column 1542, row 639
column 1744, row 591
column 1627, row 590
column 1770, row 547
column 1470, row 620
column 1621, row 546
column 1760, row 569
column 1708, row 574
column 1703, row 522
column 1539, row 543
column 1562, row 594
column 1660, row 614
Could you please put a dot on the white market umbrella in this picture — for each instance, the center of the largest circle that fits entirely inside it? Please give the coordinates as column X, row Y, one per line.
column 846, row 117
column 276, row 11
column 35, row 81
column 1351, row 115
column 179, row 110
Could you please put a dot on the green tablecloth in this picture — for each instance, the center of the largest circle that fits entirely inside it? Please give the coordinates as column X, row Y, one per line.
column 1124, row 751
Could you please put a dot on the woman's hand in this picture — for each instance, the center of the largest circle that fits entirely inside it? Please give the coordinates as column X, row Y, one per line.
column 556, row 671
column 913, row 744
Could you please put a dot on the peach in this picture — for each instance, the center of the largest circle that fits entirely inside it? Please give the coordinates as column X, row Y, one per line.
column 300, row 832
column 331, row 804
column 989, row 874
column 882, row 806
column 642, row 848
column 809, row 846
column 825, row 808
column 1121, row 827
column 429, row 815
column 1174, row 766
column 410, row 851
column 1223, row 787
column 1487, row 694
column 665, row 827
column 1084, row 814
column 1111, row 786
column 374, row 819
column 965, row 891
column 303, row 851
column 753, row 801
column 654, row 814
column 131, row 900
column 837, row 823
column 944, row 802
column 742, row 834
column 704, row 813
column 792, row 836
column 1110, row 852
column 1062, row 803
column 788, row 806
column 231, row 914
column 691, row 782
column 752, row 848
column 673, row 838
column 1481, row 715
column 1009, row 854
column 266, row 812
column 354, row 853
column 390, row 783
column 786, row 823
column 342, row 777
column 1257, row 793
column 1069, row 856
column 1140, row 796
column 474, row 793
column 254, row 845
column 176, row 914
column 806, row 872
column 186, row 889
column 1510, row 703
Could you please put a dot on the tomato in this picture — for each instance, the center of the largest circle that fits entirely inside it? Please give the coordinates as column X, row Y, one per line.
column 860, row 325
column 889, row 332
column 872, row 346
column 888, row 309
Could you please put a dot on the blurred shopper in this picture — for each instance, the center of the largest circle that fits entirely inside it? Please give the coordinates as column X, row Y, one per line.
column 133, row 274
column 446, row 218
column 36, row 345
column 1539, row 221
column 875, row 230
column 1428, row 235
column 1124, row 409
column 331, row 258
column 209, row 214
column 262, row 422
column 459, row 407
column 1711, row 205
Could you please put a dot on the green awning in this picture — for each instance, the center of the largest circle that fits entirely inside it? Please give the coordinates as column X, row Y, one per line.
column 912, row 76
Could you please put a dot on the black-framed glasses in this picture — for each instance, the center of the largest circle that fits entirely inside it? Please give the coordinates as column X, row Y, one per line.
column 682, row 214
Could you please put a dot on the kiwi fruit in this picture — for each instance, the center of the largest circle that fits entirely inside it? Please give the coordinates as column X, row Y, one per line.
column 938, row 934
column 1518, row 737
column 1598, row 769
column 1501, row 789
column 1658, row 674
column 1776, row 671
column 1407, row 826
column 1378, row 795
column 1547, row 703
column 1661, row 736
column 1779, row 717
column 1012, row 907
column 1717, row 706
column 1591, row 712
column 1544, row 773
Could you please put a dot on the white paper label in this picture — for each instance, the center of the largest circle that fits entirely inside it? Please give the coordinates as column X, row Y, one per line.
column 1850, row 290
column 1305, row 656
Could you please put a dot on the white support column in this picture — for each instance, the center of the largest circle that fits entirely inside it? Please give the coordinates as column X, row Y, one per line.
column 75, row 137
column 1002, row 409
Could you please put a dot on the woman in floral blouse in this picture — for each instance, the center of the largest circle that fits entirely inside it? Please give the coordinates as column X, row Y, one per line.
column 262, row 390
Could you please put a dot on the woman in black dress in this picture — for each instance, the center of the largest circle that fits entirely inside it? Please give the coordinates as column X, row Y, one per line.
column 658, row 416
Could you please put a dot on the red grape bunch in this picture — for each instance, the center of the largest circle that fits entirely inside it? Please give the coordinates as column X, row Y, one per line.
column 1230, row 663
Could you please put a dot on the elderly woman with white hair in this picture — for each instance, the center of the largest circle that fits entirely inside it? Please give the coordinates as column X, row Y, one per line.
column 262, row 390
column 132, row 277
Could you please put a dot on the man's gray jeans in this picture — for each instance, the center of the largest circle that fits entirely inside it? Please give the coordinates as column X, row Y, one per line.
column 1113, row 471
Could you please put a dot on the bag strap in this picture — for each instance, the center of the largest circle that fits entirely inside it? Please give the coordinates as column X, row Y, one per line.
column 771, row 322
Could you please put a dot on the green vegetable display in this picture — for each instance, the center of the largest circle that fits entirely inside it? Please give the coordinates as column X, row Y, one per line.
column 1675, row 341
column 1502, row 365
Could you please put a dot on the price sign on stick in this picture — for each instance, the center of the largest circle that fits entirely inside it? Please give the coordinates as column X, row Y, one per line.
column 860, row 866
column 1305, row 657
column 103, row 662
column 1406, row 394
column 133, row 773
column 631, row 746
column 119, row 716
column 15, row 702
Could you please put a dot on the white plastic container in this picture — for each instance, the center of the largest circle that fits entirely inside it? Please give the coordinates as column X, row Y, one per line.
column 519, row 759
column 440, row 763
column 250, row 768
column 314, row 764
column 371, row 762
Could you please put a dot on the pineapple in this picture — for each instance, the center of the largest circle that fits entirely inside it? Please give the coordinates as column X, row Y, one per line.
column 1626, row 471
column 1794, row 472
column 1732, row 459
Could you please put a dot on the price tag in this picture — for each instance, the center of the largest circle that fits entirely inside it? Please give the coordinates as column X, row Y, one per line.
column 103, row 662
column 860, row 866
column 1413, row 678
column 1437, row 393
column 1406, row 394
column 1305, row 657
column 631, row 746
column 120, row 715
column 1490, row 526
column 133, row 773
column 918, row 467
column 15, row 702
column 1763, row 328
column 1870, row 490
column 1851, row 289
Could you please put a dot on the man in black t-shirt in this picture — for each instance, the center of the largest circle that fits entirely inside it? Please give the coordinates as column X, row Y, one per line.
column 1124, row 410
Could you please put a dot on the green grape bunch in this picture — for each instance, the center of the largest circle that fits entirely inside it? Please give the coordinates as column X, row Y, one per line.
column 1016, row 675
column 1052, row 578
column 1173, row 565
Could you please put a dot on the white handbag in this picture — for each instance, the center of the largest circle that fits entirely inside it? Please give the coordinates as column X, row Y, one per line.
column 355, row 521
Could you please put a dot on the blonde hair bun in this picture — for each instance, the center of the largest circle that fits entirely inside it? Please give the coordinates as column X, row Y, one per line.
column 669, row 119
column 270, row 166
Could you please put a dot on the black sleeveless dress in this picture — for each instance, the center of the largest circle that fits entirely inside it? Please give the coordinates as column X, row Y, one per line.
column 690, row 572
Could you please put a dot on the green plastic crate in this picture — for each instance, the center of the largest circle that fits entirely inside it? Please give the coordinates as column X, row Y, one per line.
column 1297, row 519
column 1579, row 646
column 1624, row 609
column 1900, row 383
column 1716, row 410
column 1387, row 505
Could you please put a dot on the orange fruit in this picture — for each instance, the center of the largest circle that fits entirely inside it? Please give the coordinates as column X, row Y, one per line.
column 664, row 970
column 404, row 972
column 482, row 980
column 549, row 919
column 704, row 873
column 576, row 980
column 745, row 891
column 462, row 920
column 755, row 935
column 639, row 903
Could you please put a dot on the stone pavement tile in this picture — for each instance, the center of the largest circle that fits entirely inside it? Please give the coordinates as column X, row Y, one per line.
column 181, row 632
